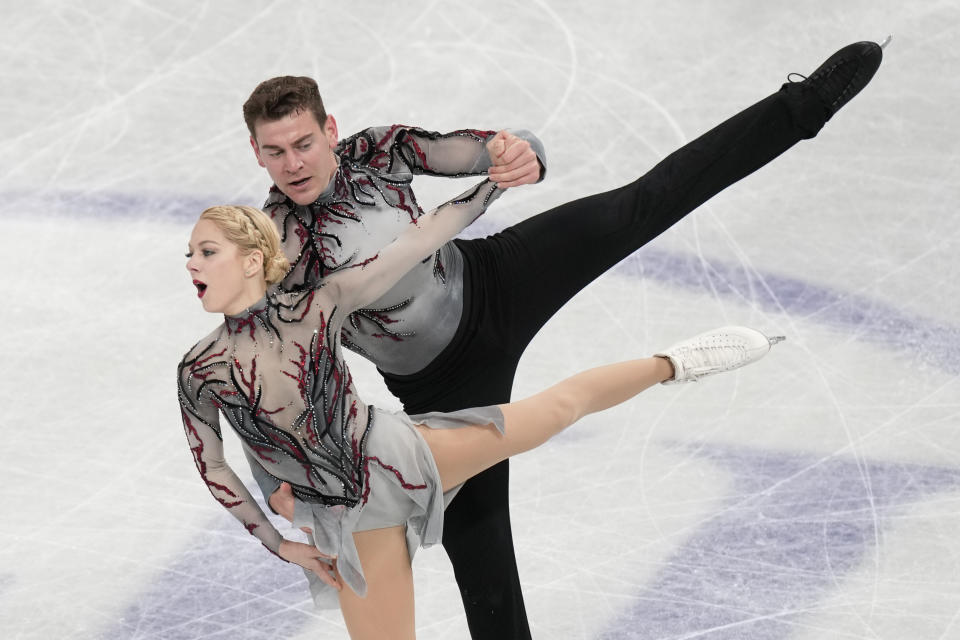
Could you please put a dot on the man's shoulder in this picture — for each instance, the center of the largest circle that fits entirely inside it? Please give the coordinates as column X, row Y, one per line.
column 368, row 142
column 277, row 202
column 379, row 151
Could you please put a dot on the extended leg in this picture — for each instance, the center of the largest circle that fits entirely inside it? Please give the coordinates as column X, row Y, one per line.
column 462, row 453
column 519, row 278
column 547, row 259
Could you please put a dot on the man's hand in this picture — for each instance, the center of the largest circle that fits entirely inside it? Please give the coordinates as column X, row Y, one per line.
column 281, row 501
column 514, row 162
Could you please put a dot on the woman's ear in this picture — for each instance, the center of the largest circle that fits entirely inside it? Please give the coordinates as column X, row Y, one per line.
column 253, row 263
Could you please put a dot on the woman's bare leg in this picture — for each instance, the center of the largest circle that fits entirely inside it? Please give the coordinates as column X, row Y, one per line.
column 465, row 452
column 387, row 611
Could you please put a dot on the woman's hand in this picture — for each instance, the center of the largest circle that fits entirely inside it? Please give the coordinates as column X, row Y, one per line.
column 310, row 558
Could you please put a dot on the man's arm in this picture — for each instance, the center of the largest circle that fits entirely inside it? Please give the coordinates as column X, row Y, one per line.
column 512, row 156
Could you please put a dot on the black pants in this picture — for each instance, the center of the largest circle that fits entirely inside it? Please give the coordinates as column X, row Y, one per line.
column 517, row 279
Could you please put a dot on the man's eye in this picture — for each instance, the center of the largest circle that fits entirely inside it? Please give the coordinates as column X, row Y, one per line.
column 275, row 154
column 304, row 147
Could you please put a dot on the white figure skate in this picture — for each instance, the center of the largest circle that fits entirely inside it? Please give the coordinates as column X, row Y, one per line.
column 723, row 349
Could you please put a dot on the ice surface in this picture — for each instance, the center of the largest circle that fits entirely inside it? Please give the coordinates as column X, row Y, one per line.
column 816, row 495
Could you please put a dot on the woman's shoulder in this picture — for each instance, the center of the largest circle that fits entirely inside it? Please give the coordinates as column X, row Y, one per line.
column 204, row 347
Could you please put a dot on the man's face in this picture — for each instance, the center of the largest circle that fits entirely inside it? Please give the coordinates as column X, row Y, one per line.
column 297, row 153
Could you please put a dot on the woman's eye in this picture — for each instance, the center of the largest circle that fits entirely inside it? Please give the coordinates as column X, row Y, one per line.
column 208, row 252
column 189, row 254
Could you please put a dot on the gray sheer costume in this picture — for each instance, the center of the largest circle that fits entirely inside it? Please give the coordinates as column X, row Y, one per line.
column 368, row 203
column 276, row 373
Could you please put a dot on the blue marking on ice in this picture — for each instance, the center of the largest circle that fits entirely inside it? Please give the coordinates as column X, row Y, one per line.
column 793, row 528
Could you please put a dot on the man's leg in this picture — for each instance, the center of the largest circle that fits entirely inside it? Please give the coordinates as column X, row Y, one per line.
column 479, row 541
column 545, row 260
column 520, row 277
column 517, row 279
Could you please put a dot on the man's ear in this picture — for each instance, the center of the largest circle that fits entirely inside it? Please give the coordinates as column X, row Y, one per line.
column 256, row 151
column 330, row 131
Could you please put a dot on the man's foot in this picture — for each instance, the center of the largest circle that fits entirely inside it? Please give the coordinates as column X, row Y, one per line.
column 844, row 74
column 716, row 351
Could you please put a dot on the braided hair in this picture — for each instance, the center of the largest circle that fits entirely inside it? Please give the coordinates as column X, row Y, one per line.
column 251, row 230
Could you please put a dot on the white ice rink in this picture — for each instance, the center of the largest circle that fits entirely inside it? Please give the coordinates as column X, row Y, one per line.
column 815, row 495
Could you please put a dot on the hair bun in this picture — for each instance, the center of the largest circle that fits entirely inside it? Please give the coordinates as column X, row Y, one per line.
column 276, row 268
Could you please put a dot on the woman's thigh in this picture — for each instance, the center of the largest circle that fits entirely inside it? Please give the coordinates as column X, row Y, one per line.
column 387, row 611
column 464, row 452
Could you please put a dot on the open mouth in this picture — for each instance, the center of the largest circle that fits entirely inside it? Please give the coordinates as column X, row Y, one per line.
column 299, row 183
column 201, row 288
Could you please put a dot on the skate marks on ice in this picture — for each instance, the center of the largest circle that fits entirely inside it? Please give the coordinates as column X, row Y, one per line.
column 860, row 317
column 220, row 586
column 794, row 528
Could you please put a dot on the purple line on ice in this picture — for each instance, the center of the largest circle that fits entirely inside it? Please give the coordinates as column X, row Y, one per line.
column 795, row 528
column 861, row 317
column 223, row 586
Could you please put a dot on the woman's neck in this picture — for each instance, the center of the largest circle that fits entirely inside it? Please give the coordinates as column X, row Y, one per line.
column 250, row 296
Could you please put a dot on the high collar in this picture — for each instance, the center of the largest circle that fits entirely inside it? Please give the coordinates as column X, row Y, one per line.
column 327, row 194
column 245, row 318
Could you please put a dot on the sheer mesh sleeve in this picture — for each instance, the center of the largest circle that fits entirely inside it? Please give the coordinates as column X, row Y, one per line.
column 202, row 426
column 455, row 154
column 360, row 285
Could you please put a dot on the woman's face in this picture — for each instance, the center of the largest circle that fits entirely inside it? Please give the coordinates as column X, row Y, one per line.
column 219, row 270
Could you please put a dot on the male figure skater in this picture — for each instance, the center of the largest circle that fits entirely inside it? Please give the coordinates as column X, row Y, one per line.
column 450, row 335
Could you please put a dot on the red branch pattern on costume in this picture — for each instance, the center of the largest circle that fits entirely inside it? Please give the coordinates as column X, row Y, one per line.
column 197, row 451
column 251, row 392
column 201, row 363
column 396, row 472
column 402, row 203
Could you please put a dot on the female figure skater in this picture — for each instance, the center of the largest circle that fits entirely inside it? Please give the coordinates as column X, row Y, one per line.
column 369, row 484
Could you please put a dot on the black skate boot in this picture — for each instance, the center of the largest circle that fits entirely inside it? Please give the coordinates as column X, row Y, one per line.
column 844, row 74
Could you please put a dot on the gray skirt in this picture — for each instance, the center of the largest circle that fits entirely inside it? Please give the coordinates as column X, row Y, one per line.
column 403, row 489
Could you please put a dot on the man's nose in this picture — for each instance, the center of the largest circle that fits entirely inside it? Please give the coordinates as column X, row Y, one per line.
column 293, row 163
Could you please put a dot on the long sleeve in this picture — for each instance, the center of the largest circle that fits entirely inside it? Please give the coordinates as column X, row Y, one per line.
column 201, row 425
column 362, row 284
column 459, row 153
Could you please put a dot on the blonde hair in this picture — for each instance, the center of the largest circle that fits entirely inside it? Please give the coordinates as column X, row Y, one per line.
column 251, row 230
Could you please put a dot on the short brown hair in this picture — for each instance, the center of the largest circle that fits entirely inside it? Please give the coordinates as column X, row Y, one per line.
column 283, row 96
